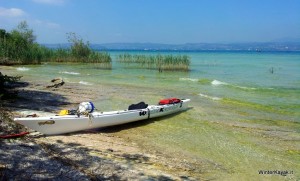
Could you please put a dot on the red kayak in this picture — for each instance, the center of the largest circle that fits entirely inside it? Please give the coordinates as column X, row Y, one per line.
column 14, row 135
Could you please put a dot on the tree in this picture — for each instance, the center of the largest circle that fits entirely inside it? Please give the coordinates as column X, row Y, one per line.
column 25, row 32
column 15, row 45
column 18, row 46
column 79, row 49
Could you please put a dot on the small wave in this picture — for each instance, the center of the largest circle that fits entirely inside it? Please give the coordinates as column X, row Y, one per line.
column 188, row 79
column 22, row 69
column 71, row 73
column 85, row 83
column 210, row 97
column 216, row 82
column 246, row 88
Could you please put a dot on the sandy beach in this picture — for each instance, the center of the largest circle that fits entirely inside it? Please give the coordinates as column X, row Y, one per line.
column 87, row 155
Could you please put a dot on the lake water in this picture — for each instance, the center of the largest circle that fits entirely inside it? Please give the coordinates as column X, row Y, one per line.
column 244, row 116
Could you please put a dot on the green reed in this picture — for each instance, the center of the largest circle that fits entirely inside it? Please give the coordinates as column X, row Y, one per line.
column 102, row 59
column 159, row 62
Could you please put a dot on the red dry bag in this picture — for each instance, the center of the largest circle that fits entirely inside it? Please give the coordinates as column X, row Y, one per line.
column 169, row 101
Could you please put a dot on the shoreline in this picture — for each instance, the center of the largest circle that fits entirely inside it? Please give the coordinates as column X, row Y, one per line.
column 86, row 155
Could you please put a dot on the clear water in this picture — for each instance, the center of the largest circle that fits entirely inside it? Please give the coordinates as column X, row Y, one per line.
column 245, row 112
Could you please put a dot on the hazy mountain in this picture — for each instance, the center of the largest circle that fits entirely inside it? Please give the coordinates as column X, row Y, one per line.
column 267, row 46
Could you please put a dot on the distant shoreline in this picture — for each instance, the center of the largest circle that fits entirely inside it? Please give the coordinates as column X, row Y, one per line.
column 198, row 51
column 251, row 47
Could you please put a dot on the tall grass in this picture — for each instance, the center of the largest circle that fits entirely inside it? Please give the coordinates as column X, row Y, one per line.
column 159, row 62
column 102, row 59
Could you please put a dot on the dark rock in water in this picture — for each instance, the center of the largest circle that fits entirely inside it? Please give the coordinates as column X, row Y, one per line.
column 57, row 82
column 56, row 79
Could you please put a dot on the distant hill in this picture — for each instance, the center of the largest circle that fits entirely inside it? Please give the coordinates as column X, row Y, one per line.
column 268, row 46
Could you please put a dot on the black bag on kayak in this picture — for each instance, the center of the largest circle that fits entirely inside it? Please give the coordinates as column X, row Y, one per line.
column 141, row 105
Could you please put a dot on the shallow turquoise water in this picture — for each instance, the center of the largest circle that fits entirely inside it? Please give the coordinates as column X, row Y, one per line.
column 227, row 89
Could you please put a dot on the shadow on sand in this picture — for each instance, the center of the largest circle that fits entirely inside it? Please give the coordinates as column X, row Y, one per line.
column 67, row 161
column 35, row 100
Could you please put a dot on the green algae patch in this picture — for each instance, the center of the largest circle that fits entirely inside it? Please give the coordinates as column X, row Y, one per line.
column 293, row 152
column 260, row 107
column 204, row 81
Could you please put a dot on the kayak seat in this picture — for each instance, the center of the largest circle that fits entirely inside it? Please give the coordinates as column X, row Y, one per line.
column 140, row 105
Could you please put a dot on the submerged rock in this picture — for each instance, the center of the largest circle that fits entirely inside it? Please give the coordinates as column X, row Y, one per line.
column 57, row 82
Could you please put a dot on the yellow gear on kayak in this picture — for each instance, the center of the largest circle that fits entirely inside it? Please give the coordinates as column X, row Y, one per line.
column 64, row 112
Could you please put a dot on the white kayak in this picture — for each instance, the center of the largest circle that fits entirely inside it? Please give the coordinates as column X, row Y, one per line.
column 56, row 124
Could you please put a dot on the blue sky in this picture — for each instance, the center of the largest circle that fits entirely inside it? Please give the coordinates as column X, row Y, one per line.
column 156, row 21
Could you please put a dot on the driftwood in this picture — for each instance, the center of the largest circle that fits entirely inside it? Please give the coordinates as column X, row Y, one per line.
column 57, row 82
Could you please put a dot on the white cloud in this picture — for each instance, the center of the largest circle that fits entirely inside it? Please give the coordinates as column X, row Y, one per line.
column 52, row 2
column 46, row 24
column 11, row 12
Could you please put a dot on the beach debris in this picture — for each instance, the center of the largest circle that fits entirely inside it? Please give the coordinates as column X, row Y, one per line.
column 57, row 82
column 16, row 135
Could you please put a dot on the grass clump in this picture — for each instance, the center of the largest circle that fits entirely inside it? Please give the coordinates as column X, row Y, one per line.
column 79, row 52
column 159, row 62
column 101, row 59
column 6, row 83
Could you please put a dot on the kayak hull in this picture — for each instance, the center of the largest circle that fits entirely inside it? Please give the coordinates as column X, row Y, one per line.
column 54, row 125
